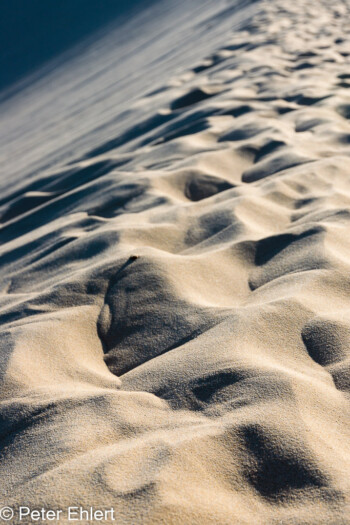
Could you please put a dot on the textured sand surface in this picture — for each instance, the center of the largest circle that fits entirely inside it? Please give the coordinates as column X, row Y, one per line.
column 174, row 270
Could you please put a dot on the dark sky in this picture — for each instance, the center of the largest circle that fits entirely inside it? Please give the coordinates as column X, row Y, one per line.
column 33, row 31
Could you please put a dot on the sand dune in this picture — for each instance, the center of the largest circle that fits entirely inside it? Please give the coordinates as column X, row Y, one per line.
column 174, row 270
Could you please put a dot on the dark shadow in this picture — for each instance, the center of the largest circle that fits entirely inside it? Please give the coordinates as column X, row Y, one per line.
column 201, row 186
column 192, row 97
column 326, row 341
column 268, row 248
column 278, row 468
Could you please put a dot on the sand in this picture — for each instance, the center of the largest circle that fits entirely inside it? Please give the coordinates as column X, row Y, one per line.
column 174, row 270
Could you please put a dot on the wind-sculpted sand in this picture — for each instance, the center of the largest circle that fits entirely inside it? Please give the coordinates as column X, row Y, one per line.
column 175, row 299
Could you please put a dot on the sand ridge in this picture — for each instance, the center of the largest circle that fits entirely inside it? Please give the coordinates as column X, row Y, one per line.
column 175, row 300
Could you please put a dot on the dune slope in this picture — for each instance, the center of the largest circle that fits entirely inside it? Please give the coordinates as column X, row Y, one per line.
column 174, row 271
